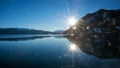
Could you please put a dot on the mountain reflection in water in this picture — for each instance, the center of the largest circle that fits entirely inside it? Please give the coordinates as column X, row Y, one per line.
column 96, row 47
column 58, row 51
column 29, row 38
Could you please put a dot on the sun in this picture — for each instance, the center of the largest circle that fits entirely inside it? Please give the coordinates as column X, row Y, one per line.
column 72, row 20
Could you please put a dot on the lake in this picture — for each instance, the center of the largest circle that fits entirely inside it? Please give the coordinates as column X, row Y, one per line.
column 55, row 51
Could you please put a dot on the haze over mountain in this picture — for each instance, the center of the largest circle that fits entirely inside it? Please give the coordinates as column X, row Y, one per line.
column 59, row 31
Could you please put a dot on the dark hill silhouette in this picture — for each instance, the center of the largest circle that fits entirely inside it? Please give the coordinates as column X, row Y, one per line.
column 22, row 31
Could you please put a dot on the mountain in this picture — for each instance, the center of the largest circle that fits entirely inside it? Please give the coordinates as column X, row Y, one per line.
column 102, row 23
column 59, row 31
column 22, row 31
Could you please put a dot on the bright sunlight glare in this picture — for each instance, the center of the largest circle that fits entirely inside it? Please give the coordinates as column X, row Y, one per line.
column 72, row 47
column 72, row 20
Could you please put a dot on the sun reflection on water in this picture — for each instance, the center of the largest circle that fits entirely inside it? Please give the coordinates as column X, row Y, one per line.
column 72, row 47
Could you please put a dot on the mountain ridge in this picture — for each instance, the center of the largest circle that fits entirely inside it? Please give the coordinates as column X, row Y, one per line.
column 100, row 24
column 22, row 31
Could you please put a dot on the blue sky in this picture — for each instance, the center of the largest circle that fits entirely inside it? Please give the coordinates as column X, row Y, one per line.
column 48, row 15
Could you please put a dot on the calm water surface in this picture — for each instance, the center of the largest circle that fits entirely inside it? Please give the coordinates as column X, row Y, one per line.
column 50, row 52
